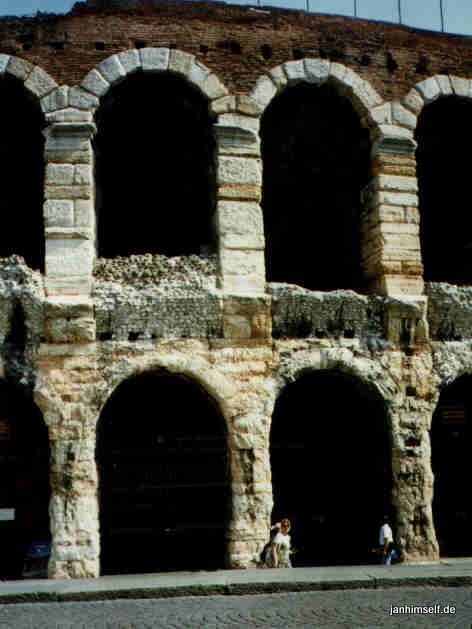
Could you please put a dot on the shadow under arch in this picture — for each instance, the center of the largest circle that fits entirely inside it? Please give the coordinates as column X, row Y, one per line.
column 155, row 167
column 22, row 173
column 316, row 162
column 451, row 447
column 164, row 480
column 331, row 466
column 24, row 479
column 444, row 136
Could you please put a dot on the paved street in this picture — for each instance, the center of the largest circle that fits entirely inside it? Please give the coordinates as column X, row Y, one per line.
column 346, row 608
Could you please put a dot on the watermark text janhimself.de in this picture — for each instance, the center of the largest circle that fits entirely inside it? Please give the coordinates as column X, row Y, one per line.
column 422, row 609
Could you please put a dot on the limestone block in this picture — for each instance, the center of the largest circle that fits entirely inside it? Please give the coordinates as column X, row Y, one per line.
column 74, row 233
column 69, row 115
column 65, row 330
column 154, row 58
column 213, row 87
column 460, row 86
column 81, row 99
column 391, row 213
column 84, row 213
column 40, row 83
column 111, row 69
column 198, row 73
column 429, row 89
column 367, row 95
column 180, row 62
column 295, row 70
column 382, row 114
column 396, row 198
column 238, row 120
column 337, row 71
column 130, row 60
column 396, row 183
column 69, row 257
column 59, row 174
column 248, row 192
column 403, row 117
column 223, row 105
column 78, row 285
column 278, row 76
column 4, row 59
column 243, row 284
column 57, row 99
column 242, row 262
column 247, row 106
column 67, row 192
column 414, row 101
column 444, row 83
column 317, row 70
column 236, row 140
column 59, row 212
column 83, row 174
column 242, row 241
column 399, row 228
column 239, row 218
column 239, row 170
column 238, row 327
column 264, row 91
column 19, row 68
column 95, row 83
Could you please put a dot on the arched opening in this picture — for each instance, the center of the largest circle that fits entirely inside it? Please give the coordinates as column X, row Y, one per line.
column 316, row 162
column 24, row 479
column 164, row 477
column 331, row 467
column 451, row 447
column 22, row 173
column 155, row 168
column 444, row 136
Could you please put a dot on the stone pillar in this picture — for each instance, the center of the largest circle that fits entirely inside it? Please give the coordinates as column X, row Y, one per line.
column 74, row 510
column 69, row 219
column 251, row 491
column 391, row 251
column 240, row 227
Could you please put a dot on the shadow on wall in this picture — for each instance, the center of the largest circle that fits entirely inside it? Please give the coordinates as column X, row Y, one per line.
column 316, row 162
column 155, row 168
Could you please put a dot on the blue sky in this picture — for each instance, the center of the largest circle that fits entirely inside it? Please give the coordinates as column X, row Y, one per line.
column 419, row 13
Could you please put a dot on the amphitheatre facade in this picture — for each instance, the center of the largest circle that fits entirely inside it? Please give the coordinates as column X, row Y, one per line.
column 236, row 284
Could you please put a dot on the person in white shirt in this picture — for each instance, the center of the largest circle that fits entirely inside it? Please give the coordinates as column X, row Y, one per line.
column 386, row 542
column 277, row 552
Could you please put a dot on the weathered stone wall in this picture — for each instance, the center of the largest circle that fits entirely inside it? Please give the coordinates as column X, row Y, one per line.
column 73, row 335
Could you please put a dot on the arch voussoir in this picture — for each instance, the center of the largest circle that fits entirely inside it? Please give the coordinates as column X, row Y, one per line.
column 36, row 80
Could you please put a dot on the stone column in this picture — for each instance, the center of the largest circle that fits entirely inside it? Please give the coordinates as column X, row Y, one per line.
column 391, row 251
column 251, row 491
column 240, row 226
column 69, row 219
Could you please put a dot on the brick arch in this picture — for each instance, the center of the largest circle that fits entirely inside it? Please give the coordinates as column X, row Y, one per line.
column 435, row 87
column 117, row 67
column 36, row 80
column 363, row 96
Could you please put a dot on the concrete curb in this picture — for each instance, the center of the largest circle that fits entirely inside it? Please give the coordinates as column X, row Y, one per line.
column 233, row 589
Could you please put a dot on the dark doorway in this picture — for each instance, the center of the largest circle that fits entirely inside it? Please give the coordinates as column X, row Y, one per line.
column 316, row 162
column 331, row 467
column 451, row 447
column 444, row 136
column 22, row 178
column 155, row 168
column 164, row 477
column 24, row 478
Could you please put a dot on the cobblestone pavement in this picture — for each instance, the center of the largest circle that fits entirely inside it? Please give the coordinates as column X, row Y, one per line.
column 347, row 608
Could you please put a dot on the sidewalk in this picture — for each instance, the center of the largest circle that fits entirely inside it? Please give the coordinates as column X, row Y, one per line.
column 448, row 572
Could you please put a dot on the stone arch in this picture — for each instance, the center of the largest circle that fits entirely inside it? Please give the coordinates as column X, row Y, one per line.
column 215, row 384
column 363, row 96
column 332, row 453
column 114, row 69
column 434, row 87
column 36, row 80
column 171, row 467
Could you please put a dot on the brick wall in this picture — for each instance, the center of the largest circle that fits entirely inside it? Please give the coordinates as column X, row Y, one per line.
column 391, row 57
